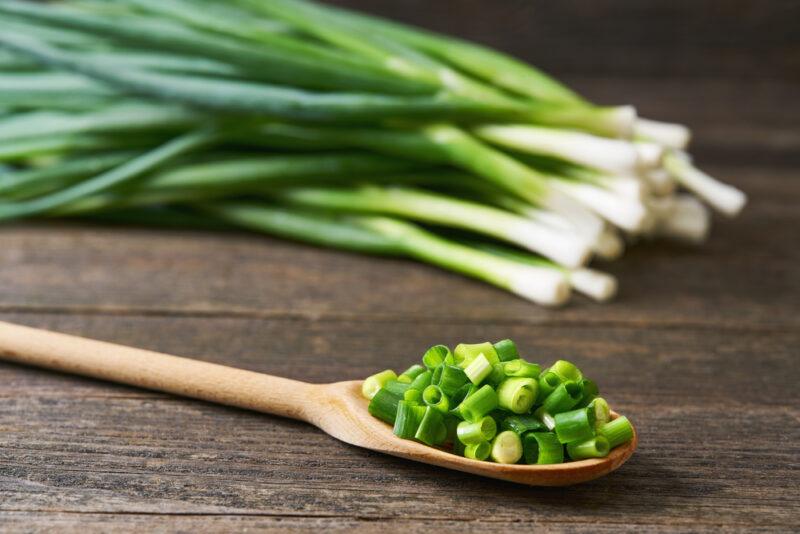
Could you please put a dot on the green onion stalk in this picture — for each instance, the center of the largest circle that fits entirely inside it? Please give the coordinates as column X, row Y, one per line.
column 311, row 122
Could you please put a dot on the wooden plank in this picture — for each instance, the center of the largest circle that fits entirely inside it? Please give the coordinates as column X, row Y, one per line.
column 738, row 279
column 716, row 410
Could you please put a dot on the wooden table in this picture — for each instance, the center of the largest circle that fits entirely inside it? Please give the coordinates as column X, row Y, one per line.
column 700, row 349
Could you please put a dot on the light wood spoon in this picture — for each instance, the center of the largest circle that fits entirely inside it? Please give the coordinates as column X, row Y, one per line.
column 338, row 408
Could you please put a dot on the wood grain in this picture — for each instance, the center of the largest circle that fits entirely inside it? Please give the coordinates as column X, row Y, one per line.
column 700, row 350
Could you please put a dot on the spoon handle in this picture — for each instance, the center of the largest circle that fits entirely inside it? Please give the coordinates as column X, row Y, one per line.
column 156, row 371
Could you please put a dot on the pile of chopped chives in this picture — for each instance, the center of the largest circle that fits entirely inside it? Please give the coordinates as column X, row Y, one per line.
column 486, row 403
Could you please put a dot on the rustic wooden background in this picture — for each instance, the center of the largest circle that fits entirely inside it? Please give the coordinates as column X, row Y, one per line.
column 700, row 350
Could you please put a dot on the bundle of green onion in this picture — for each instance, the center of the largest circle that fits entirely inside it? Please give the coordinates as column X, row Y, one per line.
column 310, row 122
column 484, row 401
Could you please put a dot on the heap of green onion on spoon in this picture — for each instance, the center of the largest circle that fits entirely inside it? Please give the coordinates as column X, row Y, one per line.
column 301, row 120
column 486, row 403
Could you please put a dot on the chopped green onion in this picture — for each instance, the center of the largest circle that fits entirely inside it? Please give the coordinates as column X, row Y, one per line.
column 395, row 387
column 507, row 448
column 479, row 451
column 437, row 375
column 432, row 430
column 434, row 397
column 517, row 394
column 375, row 382
column 496, row 376
column 548, row 382
column 521, row 368
column 542, row 448
column 413, row 396
column 435, row 356
column 465, row 353
column 422, row 381
column 478, row 404
column 566, row 371
column 478, row 369
column 473, row 433
column 602, row 413
column 575, row 425
column 596, row 447
column 546, row 418
column 409, row 416
column 617, row 431
column 452, row 379
column 590, row 392
column 506, row 350
column 384, row 406
column 564, row 397
column 463, row 392
column 522, row 424
column 411, row 373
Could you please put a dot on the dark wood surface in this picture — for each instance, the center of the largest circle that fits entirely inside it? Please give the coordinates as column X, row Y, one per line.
column 700, row 349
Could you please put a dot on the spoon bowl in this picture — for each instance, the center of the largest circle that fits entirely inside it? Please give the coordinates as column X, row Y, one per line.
column 338, row 409
column 347, row 419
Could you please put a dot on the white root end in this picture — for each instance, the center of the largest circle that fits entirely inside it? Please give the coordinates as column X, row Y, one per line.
column 548, row 287
column 623, row 121
column 722, row 197
column 626, row 213
column 627, row 186
column 589, row 224
column 667, row 134
column 562, row 247
column 660, row 181
column 689, row 221
column 650, row 154
column 610, row 246
column 595, row 284
column 611, row 155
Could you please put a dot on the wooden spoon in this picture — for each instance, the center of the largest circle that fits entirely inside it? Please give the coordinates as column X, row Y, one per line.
column 338, row 408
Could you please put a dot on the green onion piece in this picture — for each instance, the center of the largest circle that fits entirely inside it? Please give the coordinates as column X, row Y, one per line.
column 432, row 430
column 546, row 418
column 602, row 413
column 496, row 376
column 479, row 451
column 478, row 404
column 522, row 424
column 590, row 392
column 548, row 381
column 465, row 353
column 422, row 381
column 517, row 394
column 411, row 373
column 452, row 379
column 542, row 448
column 507, row 448
column 435, row 356
column 375, row 382
column 459, row 448
column 451, row 424
column 617, row 432
column 397, row 388
column 506, row 350
column 563, row 398
column 413, row 396
column 437, row 375
column 384, row 406
column 473, row 433
column 409, row 417
column 434, row 397
column 520, row 367
column 567, row 371
column 597, row 447
column 575, row 425
column 478, row 369
column 463, row 392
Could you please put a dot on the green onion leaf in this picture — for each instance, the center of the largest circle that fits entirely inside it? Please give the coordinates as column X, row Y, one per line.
column 375, row 382
column 507, row 448
column 517, row 394
column 542, row 448
column 596, row 447
column 617, row 431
